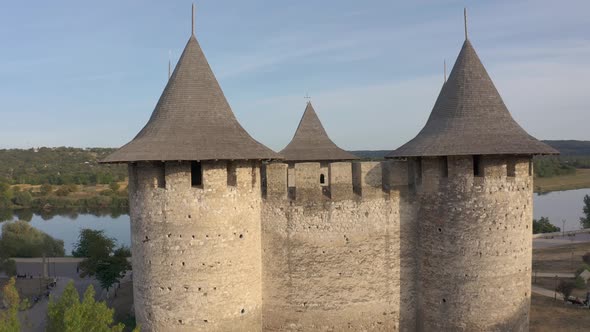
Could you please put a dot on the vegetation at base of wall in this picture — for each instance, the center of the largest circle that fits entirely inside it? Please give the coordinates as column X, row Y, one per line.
column 102, row 261
column 543, row 225
column 68, row 313
column 20, row 239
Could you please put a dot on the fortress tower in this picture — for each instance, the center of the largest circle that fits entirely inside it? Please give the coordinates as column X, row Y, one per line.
column 312, row 144
column 472, row 169
column 225, row 238
column 195, row 205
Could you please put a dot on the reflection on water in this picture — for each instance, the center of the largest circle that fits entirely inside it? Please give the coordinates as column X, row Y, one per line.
column 561, row 205
column 66, row 224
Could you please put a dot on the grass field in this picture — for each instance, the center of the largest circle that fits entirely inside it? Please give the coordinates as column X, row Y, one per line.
column 548, row 315
column 579, row 180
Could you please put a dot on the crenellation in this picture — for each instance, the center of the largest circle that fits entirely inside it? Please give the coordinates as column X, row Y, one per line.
column 307, row 182
column 275, row 181
column 367, row 179
column 340, row 174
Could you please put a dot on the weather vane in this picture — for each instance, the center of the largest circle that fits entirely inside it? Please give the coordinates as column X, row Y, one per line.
column 307, row 97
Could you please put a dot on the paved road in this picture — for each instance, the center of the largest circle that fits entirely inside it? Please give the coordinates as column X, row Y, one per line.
column 545, row 292
column 553, row 275
column 65, row 269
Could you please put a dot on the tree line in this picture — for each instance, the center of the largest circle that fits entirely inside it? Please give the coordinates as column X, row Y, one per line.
column 58, row 166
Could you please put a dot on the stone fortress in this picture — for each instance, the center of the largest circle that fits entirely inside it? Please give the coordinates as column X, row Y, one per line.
column 228, row 235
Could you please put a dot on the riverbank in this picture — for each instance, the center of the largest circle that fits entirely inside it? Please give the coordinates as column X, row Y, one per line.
column 579, row 180
column 68, row 197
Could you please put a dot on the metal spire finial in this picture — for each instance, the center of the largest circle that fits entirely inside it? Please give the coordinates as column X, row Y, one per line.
column 193, row 19
column 307, row 97
column 465, row 20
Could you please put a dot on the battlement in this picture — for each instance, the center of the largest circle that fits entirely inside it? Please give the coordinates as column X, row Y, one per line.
column 332, row 181
column 314, row 181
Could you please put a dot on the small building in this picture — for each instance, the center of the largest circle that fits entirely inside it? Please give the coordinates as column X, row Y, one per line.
column 311, row 143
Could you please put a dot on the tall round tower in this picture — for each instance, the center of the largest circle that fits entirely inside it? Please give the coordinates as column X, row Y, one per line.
column 195, row 205
column 472, row 166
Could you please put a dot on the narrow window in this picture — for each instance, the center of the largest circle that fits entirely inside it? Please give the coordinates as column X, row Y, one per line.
column 196, row 174
column 511, row 167
column 161, row 176
column 419, row 168
column 232, row 179
column 253, row 175
column 530, row 167
column 322, row 179
column 477, row 166
column 445, row 167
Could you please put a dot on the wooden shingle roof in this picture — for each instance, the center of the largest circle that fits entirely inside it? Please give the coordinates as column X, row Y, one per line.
column 192, row 120
column 311, row 142
column 470, row 118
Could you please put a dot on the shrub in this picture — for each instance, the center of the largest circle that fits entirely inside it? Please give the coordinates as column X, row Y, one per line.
column 22, row 198
column 62, row 191
column 114, row 186
column 46, row 189
column 565, row 288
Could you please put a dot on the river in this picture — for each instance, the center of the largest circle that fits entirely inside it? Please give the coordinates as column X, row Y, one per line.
column 557, row 206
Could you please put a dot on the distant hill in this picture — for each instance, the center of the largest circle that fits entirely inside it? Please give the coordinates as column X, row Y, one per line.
column 565, row 147
column 571, row 147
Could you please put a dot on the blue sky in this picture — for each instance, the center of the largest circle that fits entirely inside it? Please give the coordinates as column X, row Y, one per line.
column 89, row 73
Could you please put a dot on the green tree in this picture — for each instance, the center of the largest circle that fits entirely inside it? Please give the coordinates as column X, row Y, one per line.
column 101, row 261
column 22, row 198
column 9, row 318
column 46, row 189
column 7, row 265
column 20, row 239
column 585, row 221
column 68, row 314
column 543, row 225
column 114, row 186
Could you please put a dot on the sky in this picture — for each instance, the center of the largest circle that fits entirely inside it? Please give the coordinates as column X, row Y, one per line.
column 89, row 73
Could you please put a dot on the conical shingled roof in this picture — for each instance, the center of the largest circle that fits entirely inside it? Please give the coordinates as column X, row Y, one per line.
column 311, row 142
column 192, row 120
column 470, row 118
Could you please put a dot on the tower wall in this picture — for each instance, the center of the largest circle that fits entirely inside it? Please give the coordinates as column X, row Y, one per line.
column 474, row 244
column 335, row 258
column 196, row 250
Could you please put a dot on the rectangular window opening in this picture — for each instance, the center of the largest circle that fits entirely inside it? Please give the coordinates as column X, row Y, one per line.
column 161, row 176
column 445, row 167
column 196, row 174
column 511, row 168
column 530, row 167
column 477, row 171
column 419, row 168
column 232, row 178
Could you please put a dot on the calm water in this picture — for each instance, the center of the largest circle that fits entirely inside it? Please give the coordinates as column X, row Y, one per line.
column 557, row 206
column 67, row 227
column 561, row 205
